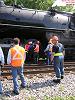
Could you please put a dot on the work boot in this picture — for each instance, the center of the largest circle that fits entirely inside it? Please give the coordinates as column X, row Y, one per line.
column 56, row 80
column 62, row 77
column 1, row 93
column 16, row 92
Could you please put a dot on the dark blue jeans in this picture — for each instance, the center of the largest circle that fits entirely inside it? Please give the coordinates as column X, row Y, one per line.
column 48, row 57
column 36, row 57
column 15, row 72
column 0, row 82
column 58, row 66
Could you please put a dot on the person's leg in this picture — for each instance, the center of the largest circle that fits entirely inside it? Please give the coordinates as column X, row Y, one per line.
column 48, row 60
column 62, row 66
column 20, row 72
column 57, row 67
column 1, row 91
column 15, row 81
column 29, row 58
column 49, row 57
column 26, row 61
column 36, row 57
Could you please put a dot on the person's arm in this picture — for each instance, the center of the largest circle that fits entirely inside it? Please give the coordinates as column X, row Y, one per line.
column 2, row 57
column 63, row 50
column 47, row 48
column 25, row 56
column 9, row 57
column 50, row 47
column 52, row 53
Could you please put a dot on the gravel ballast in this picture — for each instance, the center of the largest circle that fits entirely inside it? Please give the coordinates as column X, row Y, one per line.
column 40, row 86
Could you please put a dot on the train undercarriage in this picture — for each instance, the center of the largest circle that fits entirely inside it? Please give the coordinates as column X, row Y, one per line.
column 6, row 37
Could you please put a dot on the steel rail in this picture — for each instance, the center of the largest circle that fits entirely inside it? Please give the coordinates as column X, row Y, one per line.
column 39, row 71
column 6, row 71
column 37, row 66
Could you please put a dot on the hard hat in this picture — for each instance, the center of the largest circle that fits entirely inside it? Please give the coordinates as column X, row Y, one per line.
column 55, row 38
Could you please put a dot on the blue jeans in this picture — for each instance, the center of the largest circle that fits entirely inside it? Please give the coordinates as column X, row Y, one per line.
column 58, row 66
column 48, row 57
column 1, row 91
column 15, row 72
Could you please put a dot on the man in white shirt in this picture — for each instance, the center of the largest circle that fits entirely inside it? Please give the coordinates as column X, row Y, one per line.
column 1, row 64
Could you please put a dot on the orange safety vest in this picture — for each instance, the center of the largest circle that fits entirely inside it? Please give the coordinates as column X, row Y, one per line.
column 17, row 56
column 36, row 48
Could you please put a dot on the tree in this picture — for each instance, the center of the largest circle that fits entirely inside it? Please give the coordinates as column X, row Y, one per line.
column 8, row 2
column 33, row 4
column 67, row 8
column 40, row 4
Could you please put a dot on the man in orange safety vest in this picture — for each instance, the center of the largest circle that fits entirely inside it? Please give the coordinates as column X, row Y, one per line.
column 16, row 58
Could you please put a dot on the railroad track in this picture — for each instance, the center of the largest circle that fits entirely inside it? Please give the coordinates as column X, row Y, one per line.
column 37, row 69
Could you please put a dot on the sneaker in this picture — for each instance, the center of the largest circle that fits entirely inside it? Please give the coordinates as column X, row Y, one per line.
column 16, row 92
column 62, row 77
column 56, row 80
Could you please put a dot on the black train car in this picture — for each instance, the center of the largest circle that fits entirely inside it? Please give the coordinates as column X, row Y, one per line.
column 25, row 23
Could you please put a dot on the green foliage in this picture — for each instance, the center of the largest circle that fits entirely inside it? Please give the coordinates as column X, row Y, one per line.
column 68, row 8
column 40, row 4
column 8, row 2
column 59, row 98
column 47, row 98
column 33, row 4
column 36, row 4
